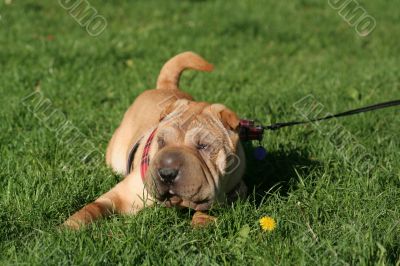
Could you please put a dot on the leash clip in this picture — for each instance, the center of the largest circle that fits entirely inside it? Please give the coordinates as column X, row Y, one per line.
column 250, row 131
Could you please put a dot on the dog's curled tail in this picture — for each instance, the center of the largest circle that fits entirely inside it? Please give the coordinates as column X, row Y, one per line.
column 171, row 71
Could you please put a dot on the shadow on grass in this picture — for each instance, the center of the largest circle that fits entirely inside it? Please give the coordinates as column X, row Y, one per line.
column 277, row 172
column 393, row 253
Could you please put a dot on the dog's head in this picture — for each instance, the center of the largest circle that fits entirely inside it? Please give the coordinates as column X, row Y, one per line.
column 196, row 157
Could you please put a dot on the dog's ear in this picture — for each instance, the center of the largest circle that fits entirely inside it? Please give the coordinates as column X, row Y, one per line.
column 178, row 106
column 228, row 118
column 230, row 121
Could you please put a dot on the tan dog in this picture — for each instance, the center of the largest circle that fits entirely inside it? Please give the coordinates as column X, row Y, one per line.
column 172, row 150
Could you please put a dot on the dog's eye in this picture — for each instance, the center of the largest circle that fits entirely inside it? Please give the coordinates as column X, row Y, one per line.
column 201, row 146
column 161, row 142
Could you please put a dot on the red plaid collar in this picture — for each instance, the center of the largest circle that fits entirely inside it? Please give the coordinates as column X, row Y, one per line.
column 145, row 160
column 144, row 163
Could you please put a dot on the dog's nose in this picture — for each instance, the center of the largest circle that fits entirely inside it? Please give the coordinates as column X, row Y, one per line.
column 169, row 166
column 168, row 174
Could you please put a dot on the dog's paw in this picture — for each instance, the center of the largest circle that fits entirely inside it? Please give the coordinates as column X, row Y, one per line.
column 201, row 219
column 70, row 225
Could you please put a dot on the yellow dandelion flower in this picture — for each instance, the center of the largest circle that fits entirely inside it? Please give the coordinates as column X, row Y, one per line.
column 267, row 223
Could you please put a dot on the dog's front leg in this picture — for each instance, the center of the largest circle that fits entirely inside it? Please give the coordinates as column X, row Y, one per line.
column 127, row 197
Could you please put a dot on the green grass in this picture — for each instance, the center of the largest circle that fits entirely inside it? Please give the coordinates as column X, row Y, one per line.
column 268, row 55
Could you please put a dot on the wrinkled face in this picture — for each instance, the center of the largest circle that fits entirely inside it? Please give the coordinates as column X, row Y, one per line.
column 193, row 155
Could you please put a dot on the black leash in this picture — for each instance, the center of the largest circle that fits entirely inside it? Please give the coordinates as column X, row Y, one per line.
column 250, row 131
column 369, row 108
